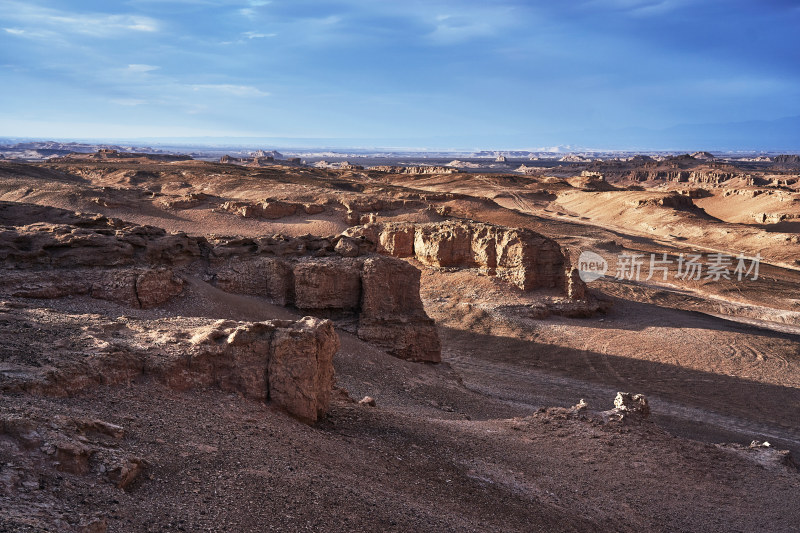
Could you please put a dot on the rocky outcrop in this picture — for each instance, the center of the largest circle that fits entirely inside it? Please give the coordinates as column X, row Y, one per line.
column 323, row 284
column 628, row 408
column 673, row 200
column 38, row 440
column 774, row 218
column 519, row 256
column 143, row 267
column 108, row 154
column 268, row 277
column 634, row 404
column 764, row 455
column 286, row 363
column 413, row 170
column 392, row 315
column 187, row 201
column 269, row 209
column 712, row 177
column 255, row 161
column 339, row 165
column 380, row 293
column 134, row 287
column 787, row 161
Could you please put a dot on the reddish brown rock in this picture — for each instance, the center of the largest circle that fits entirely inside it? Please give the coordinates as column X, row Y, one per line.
column 576, row 288
column 323, row 284
column 397, row 241
column 157, row 286
column 187, row 201
column 320, row 275
column 267, row 277
column 269, row 209
column 313, row 209
column 289, row 363
column 125, row 472
column 519, row 256
column 72, row 457
column 444, row 245
column 347, row 247
column 300, row 370
column 530, row 261
column 117, row 286
column 392, row 314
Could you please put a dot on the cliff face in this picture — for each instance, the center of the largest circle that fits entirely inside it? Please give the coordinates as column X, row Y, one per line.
column 787, row 161
column 521, row 257
column 711, row 177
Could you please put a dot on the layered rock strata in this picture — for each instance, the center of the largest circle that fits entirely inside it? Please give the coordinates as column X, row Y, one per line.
column 521, row 257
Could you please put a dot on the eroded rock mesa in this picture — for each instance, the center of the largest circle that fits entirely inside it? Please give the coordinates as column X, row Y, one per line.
column 519, row 256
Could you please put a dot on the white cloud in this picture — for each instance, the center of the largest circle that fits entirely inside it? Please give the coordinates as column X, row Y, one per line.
column 257, row 35
column 141, row 68
column 235, row 90
column 47, row 21
column 252, row 8
column 14, row 31
column 450, row 31
column 455, row 28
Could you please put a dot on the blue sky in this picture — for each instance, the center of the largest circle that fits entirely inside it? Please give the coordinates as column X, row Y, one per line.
column 648, row 74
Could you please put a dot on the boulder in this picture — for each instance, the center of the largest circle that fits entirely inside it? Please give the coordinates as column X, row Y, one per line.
column 273, row 210
column 636, row 405
column 156, row 286
column 347, row 247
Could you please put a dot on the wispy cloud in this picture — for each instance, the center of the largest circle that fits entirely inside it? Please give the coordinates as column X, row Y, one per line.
column 468, row 24
column 636, row 8
column 235, row 90
column 450, row 29
column 141, row 68
column 258, row 35
column 43, row 20
column 251, row 11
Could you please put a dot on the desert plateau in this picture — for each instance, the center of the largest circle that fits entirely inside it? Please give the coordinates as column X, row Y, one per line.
column 253, row 345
